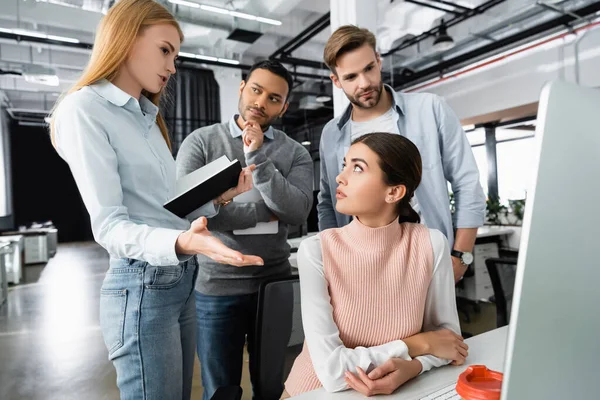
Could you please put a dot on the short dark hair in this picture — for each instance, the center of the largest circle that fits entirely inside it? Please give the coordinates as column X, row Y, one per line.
column 275, row 67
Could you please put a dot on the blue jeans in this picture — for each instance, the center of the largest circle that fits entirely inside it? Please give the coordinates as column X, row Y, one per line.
column 223, row 324
column 148, row 321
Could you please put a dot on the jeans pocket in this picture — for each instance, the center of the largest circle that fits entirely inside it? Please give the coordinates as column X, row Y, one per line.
column 113, row 305
column 164, row 277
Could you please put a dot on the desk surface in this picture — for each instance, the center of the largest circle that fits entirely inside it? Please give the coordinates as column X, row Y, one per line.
column 295, row 242
column 487, row 349
column 494, row 230
column 30, row 232
column 11, row 238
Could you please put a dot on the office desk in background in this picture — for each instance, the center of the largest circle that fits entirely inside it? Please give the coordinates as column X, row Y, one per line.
column 5, row 248
column 486, row 349
column 14, row 259
column 39, row 244
column 295, row 244
column 477, row 285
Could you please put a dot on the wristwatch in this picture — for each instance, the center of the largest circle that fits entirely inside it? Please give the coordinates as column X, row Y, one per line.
column 222, row 202
column 465, row 257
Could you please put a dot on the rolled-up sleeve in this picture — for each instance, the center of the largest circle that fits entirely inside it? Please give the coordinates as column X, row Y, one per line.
column 325, row 208
column 83, row 143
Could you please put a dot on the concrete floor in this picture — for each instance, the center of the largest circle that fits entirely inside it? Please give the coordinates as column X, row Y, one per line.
column 51, row 346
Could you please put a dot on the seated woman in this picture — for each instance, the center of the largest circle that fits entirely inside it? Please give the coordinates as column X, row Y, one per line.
column 378, row 304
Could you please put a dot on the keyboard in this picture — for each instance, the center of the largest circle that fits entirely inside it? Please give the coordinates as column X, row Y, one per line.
column 446, row 393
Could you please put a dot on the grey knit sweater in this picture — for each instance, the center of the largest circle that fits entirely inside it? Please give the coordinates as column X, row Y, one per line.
column 283, row 176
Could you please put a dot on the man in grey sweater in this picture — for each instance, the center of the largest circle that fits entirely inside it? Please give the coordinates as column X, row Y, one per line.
column 226, row 296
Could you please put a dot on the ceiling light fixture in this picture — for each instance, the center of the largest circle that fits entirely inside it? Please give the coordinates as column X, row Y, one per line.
column 185, row 3
column 228, row 61
column 208, row 58
column 443, row 41
column 50, row 80
column 58, row 3
column 224, row 11
column 323, row 96
column 65, row 4
column 40, row 74
column 26, row 33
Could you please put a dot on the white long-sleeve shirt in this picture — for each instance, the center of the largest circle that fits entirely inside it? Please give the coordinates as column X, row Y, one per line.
column 124, row 171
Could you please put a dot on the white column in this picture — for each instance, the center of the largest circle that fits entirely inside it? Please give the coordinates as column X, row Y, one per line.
column 229, row 86
column 362, row 13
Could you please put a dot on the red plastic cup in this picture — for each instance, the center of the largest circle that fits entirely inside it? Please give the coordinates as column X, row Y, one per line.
column 479, row 383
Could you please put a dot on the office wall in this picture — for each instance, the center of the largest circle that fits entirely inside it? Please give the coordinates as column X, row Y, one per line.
column 43, row 187
column 518, row 80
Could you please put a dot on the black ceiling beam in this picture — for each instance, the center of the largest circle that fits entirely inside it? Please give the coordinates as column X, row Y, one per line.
column 451, row 4
column 451, row 22
column 432, row 6
column 303, row 63
column 303, row 37
column 499, row 44
column 295, row 74
column 246, row 67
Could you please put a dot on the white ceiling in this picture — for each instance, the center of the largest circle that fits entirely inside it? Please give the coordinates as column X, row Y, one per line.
column 206, row 33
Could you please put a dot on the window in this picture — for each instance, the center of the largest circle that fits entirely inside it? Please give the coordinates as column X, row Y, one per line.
column 516, row 161
column 481, row 160
column 477, row 139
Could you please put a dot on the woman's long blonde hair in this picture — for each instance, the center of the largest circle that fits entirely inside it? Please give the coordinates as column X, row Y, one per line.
column 114, row 39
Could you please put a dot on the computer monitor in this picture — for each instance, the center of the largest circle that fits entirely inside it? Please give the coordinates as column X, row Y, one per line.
column 553, row 348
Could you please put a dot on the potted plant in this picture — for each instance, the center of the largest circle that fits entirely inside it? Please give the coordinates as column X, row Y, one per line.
column 495, row 210
column 452, row 203
column 517, row 210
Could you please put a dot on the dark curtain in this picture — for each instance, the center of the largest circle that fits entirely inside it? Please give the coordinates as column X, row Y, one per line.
column 192, row 101
column 43, row 186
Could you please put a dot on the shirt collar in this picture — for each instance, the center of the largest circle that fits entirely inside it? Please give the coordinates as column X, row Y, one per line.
column 235, row 130
column 119, row 98
column 397, row 104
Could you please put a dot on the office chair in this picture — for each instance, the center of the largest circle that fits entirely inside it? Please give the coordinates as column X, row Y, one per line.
column 279, row 335
column 502, row 273
column 227, row 393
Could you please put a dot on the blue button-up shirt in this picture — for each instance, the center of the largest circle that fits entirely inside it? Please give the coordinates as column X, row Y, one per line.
column 433, row 127
column 124, row 171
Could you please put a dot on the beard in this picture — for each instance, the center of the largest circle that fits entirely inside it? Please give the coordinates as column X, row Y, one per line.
column 265, row 120
column 372, row 102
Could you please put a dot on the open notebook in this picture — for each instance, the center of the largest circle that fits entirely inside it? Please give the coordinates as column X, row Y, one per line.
column 262, row 228
column 206, row 183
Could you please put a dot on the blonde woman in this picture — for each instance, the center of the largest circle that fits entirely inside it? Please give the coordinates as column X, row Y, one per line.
column 109, row 130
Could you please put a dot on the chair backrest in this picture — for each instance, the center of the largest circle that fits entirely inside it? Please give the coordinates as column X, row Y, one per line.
column 279, row 335
column 502, row 273
column 228, row 393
